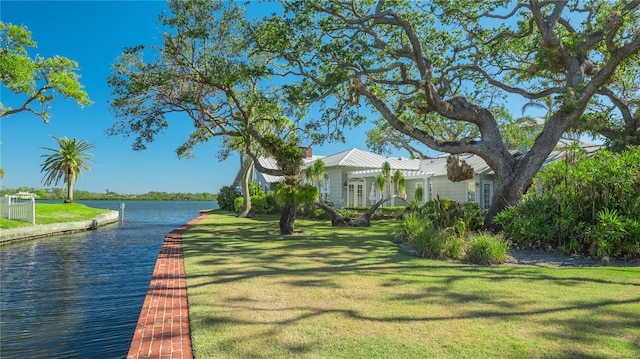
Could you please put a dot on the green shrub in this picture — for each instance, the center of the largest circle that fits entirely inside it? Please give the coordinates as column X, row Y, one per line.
column 473, row 217
column 309, row 211
column 238, row 204
column 357, row 208
column 434, row 243
column 343, row 212
column 585, row 205
column 530, row 225
column 486, row 249
column 428, row 241
column 227, row 197
column 410, row 224
column 255, row 189
column 260, row 204
column 606, row 234
column 455, row 247
column 445, row 213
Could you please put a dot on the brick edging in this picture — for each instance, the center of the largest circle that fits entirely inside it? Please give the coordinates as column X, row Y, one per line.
column 163, row 326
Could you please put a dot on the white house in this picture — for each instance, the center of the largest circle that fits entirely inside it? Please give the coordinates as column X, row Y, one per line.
column 478, row 189
column 350, row 177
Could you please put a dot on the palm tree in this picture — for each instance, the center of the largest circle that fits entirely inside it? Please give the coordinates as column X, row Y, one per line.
column 67, row 161
column 315, row 174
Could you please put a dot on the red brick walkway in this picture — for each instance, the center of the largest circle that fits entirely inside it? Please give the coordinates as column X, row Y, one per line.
column 163, row 327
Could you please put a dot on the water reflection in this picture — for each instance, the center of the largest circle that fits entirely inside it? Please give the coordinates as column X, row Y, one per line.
column 79, row 296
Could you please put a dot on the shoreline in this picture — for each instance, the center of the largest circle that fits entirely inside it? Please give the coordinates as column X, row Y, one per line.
column 163, row 328
column 12, row 235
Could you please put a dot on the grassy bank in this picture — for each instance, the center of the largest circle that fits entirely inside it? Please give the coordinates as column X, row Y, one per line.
column 351, row 293
column 54, row 213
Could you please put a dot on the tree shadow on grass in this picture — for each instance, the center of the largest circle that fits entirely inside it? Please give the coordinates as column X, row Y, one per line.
column 580, row 331
column 227, row 254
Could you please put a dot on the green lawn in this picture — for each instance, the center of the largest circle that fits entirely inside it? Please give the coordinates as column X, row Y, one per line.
column 57, row 212
column 351, row 293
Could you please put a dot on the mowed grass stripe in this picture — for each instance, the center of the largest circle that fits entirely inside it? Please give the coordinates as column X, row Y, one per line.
column 352, row 293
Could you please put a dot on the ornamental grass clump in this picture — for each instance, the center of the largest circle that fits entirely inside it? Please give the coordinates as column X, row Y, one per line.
column 429, row 241
column 486, row 249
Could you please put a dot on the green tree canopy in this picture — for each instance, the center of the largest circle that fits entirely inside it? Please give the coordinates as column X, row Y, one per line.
column 439, row 72
column 38, row 78
column 209, row 72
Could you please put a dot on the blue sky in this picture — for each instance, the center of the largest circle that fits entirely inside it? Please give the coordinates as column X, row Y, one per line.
column 93, row 33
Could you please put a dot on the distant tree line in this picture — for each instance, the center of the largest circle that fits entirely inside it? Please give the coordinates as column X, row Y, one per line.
column 61, row 194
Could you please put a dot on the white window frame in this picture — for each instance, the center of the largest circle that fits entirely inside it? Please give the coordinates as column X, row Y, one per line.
column 487, row 194
column 472, row 190
column 356, row 185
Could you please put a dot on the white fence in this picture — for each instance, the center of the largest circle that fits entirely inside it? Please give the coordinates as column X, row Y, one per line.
column 12, row 208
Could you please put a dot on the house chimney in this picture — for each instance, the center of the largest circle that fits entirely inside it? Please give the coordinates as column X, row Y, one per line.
column 307, row 152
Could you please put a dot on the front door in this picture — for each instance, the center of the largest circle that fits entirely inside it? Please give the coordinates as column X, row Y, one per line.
column 355, row 193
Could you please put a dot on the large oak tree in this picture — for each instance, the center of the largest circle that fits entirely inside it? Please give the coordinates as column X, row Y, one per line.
column 440, row 72
column 208, row 74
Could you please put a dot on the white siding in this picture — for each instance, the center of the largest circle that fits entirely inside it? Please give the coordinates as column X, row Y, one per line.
column 261, row 181
column 335, row 175
column 412, row 185
column 455, row 191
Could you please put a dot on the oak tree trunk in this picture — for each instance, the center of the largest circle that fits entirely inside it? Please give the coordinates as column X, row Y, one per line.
column 247, row 169
column 287, row 218
column 337, row 220
column 505, row 195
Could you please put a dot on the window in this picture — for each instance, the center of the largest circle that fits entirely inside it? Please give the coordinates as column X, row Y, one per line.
column 325, row 188
column 487, row 194
column 355, row 192
column 471, row 191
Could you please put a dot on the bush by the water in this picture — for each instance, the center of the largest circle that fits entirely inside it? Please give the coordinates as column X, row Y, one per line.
column 227, row 197
column 586, row 205
column 264, row 203
column 485, row 248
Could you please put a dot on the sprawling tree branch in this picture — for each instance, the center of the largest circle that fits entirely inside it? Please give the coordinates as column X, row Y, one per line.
column 407, row 63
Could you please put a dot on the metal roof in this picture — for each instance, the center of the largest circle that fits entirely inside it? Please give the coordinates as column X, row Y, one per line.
column 362, row 159
column 368, row 163
column 271, row 163
column 438, row 165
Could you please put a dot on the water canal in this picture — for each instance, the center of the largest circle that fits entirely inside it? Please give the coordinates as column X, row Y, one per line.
column 79, row 295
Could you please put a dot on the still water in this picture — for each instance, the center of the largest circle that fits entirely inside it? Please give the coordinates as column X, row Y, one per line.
column 80, row 295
